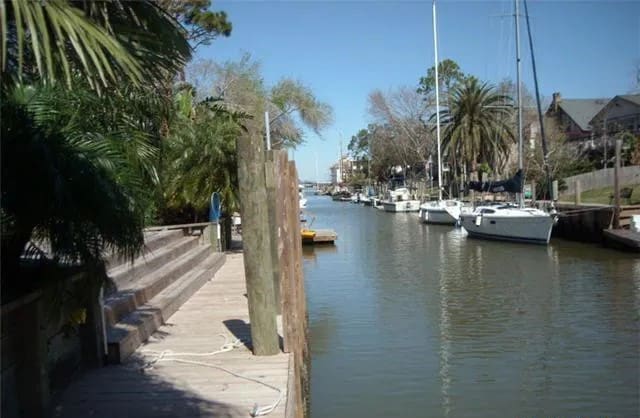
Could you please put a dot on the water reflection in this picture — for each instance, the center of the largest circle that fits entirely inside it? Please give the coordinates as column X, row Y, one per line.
column 416, row 320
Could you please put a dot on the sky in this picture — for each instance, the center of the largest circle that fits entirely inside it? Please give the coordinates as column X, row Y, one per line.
column 343, row 50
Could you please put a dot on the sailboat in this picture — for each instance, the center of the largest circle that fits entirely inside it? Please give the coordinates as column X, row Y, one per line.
column 441, row 211
column 513, row 222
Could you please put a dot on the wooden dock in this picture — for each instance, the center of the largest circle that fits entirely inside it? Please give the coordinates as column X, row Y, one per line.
column 623, row 239
column 158, row 381
column 322, row 236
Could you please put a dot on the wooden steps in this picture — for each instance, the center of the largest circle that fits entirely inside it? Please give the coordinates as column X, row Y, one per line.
column 172, row 268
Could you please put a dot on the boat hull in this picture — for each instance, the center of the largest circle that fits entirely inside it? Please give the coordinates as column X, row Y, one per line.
column 402, row 206
column 443, row 212
column 437, row 216
column 527, row 229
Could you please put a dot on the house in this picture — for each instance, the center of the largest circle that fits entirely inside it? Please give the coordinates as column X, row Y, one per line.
column 621, row 114
column 573, row 116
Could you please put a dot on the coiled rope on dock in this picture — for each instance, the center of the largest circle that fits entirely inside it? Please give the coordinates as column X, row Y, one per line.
column 169, row 355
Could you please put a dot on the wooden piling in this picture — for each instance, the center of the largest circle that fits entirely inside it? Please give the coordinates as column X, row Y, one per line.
column 286, row 254
column 256, row 241
column 578, row 187
column 616, row 186
column 271, row 171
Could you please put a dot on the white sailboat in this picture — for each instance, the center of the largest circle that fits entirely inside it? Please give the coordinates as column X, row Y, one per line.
column 441, row 211
column 511, row 222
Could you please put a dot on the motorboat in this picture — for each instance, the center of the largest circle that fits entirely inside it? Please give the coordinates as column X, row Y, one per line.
column 399, row 200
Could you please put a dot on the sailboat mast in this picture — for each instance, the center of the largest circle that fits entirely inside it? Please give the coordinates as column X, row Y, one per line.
column 545, row 151
column 437, row 82
column 519, row 95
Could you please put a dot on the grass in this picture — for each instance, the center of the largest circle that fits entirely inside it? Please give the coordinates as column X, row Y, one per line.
column 602, row 196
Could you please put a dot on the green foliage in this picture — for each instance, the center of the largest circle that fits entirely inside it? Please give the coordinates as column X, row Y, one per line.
column 290, row 98
column 62, row 187
column 359, row 144
column 78, row 167
column 476, row 125
column 202, row 24
column 449, row 74
column 240, row 86
column 106, row 42
column 357, row 180
column 200, row 154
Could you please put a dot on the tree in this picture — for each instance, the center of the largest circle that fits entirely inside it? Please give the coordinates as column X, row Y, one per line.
column 359, row 144
column 201, row 154
column 63, row 186
column 476, row 125
column 75, row 163
column 240, row 86
column 202, row 24
column 449, row 74
column 106, row 42
column 408, row 140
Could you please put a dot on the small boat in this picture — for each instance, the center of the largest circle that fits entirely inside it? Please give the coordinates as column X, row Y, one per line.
column 308, row 234
column 399, row 200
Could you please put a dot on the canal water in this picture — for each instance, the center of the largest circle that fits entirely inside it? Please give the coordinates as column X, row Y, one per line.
column 412, row 320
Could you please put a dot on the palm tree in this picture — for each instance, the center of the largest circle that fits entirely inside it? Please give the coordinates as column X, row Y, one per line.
column 200, row 154
column 105, row 41
column 74, row 162
column 61, row 189
column 476, row 125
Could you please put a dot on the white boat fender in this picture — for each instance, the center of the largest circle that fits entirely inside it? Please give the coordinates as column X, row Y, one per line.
column 478, row 220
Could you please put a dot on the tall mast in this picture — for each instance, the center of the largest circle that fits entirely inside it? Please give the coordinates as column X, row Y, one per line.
column 545, row 151
column 340, row 162
column 435, row 49
column 519, row 96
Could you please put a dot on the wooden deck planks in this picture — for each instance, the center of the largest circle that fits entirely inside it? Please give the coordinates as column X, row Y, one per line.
column 171, row 389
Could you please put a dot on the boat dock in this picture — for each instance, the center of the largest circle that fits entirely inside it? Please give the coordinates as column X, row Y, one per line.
column 197, row 364
column 623, row 239
column 322, row 236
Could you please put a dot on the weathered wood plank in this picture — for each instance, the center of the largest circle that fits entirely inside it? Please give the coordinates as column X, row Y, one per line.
column 171, row 389
column 256, row 239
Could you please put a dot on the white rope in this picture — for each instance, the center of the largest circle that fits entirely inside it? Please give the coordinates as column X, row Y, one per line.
column 168, row 355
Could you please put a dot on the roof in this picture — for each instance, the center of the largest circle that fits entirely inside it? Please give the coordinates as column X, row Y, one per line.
column 633, row 98
column 581, row 111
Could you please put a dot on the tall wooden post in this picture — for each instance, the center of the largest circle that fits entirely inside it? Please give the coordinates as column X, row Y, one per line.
column 272, row 172
column 616, row 186
column 256, row 242
column 578, row 187
column 289, row 234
